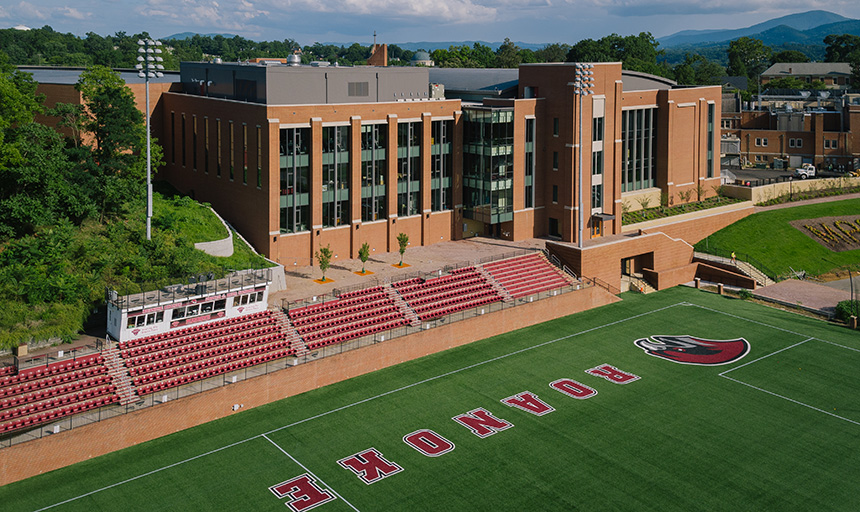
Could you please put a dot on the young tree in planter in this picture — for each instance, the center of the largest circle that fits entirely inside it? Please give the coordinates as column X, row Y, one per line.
column 364, row 254
column 403, row 240
column 323, row 256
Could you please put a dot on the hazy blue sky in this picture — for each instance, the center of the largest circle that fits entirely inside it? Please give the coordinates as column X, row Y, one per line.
column 306, row 21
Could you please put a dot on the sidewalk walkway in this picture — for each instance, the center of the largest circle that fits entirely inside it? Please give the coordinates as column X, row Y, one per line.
column 811, row 296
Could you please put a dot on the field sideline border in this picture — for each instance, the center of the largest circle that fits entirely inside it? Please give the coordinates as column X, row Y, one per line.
column 431, row 379
column 723, row 375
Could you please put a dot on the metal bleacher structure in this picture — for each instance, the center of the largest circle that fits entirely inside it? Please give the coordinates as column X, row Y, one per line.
column 44, row 398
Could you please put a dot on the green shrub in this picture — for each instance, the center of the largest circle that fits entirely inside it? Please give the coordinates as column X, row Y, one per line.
column 745, row 294
column 847, row 308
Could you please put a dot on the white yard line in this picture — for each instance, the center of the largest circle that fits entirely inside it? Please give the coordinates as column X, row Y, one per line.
column 381, row 395
column 723, row 374
column 308, row 471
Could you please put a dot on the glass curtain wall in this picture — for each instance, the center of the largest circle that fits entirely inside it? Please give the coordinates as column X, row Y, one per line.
column 488, row 149
column 637, row 149
column 374, row 141
column 409, row 168
column 440, row 179
column 335, row 169
column 295, row 179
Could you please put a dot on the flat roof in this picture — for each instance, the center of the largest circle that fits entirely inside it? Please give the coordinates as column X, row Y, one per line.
column 70, row 76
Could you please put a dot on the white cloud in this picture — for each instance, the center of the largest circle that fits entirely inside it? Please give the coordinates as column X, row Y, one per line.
column 26, row 10
column 71, row 12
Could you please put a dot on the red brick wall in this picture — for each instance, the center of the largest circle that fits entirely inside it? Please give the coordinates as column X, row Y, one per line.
column 53, row 452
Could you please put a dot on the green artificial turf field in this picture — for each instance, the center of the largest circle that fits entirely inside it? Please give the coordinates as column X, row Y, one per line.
column 777, row 429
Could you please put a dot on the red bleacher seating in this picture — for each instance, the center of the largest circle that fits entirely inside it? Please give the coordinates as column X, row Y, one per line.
column 464, row 288
column 47, row 393
column 526, row 275
column 353, row 315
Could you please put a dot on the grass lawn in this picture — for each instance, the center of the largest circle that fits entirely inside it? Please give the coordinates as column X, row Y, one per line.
column 775, row 430
column 769, row 238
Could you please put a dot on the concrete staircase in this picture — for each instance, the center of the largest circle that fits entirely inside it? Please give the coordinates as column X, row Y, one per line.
column 296, row 342
column 404, row 308
column 560, row 267
column 636, row 284
column 742, row 266
column 506, row 297
column 119, row 376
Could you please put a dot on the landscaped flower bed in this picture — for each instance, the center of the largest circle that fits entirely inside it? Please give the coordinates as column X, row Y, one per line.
column 660, row 212
column 810, row 194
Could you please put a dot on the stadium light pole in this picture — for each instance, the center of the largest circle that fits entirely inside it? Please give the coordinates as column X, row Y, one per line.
column 582, row 87
column 148, row 66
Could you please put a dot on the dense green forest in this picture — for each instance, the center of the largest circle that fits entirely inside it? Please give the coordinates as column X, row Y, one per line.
column 72, row 209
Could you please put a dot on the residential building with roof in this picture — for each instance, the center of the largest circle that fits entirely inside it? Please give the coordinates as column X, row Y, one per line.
column 834, row 75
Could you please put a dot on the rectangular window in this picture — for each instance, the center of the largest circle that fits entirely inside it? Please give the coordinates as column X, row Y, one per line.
column 374, row 201
column 182, row 128
column 798, row 143
column 638, row 168
column 335, row 181
column 555, row 193
column 232, row 143
column 194, row 141
column 597, row 129
column 244, row 154
column 530, row 164
column 408, row 169
column 173, row 137
column 597, row 162
column 555, row 160
column 206, row 145
column 295, row 179
column 764, row 142
column 259, row 157
column 218, row 147
column 597, row 196
column 710, row 158
column 791, row 143
column 555, row 127
column 441, row 165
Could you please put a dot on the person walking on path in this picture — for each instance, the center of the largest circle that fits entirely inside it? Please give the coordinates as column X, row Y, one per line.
column 734, row 259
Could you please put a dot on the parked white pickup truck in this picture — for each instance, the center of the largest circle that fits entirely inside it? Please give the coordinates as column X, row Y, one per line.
column 805, row 171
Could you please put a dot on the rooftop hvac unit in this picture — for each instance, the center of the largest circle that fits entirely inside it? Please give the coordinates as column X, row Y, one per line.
column 437, row 91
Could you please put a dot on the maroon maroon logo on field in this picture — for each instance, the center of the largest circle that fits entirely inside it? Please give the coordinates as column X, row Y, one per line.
column 692, row 350
column 303, row 491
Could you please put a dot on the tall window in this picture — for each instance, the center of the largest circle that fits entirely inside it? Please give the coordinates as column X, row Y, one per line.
column 597, row 196
column 206, row 145
column 597, row 162
column 244, row 154
column 173, row 137
column 295, row 179
column 555, row 127
column 218, row 147
column 710, row 140
column 530, row 164
column 637, row 149
column 182, row 131
column 194, row 141
column 440, row 178
column 335, row 168
column 232, row 152
column 597, row 129
column 488, row 160
column 259, row 157
column 408, row 169
column 373, row 168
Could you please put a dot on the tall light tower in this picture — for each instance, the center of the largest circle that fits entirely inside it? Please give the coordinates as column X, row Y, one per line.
column 149, row 66
column 582, row 87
